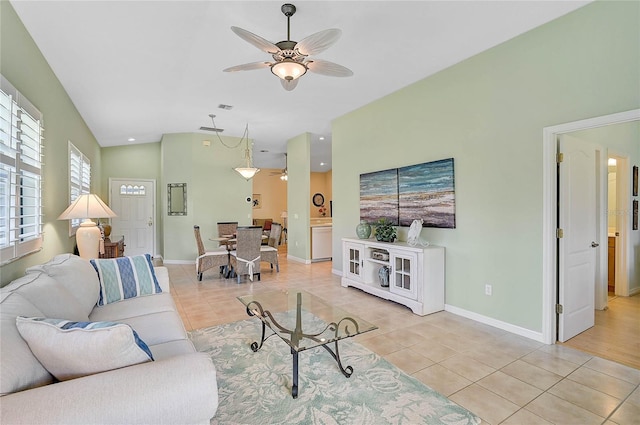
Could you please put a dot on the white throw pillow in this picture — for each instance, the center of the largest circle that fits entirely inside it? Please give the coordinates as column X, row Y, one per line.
column 125, row 277
column 70, row 350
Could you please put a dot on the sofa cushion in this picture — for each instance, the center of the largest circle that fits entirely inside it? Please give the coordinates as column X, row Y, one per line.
column 73, row 349
column 19, row 369
column 76, row 275
column 49, row 295
column 172, row 348
column 117, row 312
column 155, row 328
column 125, row 277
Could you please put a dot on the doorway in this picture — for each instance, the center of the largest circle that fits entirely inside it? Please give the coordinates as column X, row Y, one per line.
column 618, row 168
column 134, row 200
column 550, row 226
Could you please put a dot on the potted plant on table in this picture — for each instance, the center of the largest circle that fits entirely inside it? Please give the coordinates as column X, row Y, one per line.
column 385, row 231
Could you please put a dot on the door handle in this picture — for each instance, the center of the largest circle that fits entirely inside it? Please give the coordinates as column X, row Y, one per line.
column 150, row 223
column 594, row 245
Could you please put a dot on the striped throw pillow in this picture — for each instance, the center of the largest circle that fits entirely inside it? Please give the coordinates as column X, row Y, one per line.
column 125, row 277
column 70, row 350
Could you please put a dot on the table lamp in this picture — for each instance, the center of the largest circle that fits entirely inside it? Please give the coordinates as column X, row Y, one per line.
column 88, row 235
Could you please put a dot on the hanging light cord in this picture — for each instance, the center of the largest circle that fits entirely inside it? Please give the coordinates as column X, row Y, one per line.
column 246, row 133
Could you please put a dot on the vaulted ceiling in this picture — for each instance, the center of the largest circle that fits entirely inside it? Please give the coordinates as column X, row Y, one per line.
column 140, row 69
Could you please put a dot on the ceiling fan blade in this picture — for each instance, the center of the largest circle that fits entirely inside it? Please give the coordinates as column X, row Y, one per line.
column 318, row 42
column 248, row 66
column 289, row 84
column 328, row 68
column 256, row 40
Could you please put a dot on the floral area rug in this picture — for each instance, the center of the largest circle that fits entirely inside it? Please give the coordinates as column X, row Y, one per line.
column 255, row 388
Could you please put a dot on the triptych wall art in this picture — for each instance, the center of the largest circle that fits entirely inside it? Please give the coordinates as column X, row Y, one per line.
column 422, row 191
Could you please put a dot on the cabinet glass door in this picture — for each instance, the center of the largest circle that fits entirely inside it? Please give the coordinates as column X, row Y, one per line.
column 404, row 276
column 354, row 261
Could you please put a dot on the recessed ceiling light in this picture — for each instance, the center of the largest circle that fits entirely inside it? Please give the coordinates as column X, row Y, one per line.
column 322, row 164
column 321, row 137
column 131, row 139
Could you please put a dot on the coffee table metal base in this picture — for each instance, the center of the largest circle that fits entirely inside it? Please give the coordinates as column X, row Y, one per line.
column 255, row 309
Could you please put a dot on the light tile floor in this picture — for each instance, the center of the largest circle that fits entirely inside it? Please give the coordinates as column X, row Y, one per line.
column 501, row 377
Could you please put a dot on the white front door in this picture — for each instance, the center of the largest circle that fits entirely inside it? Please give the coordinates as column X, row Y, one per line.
column 134, row 203
column 579, row 244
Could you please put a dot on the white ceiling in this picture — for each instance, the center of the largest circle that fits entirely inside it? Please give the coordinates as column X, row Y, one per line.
column 140, row 69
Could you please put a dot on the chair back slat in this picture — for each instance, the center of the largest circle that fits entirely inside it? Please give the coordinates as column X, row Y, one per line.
column 227, row 228
column 248, row 240
column 274, row 235
column 196, row 231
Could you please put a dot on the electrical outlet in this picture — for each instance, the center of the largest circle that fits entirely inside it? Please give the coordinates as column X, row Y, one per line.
column 488, row 289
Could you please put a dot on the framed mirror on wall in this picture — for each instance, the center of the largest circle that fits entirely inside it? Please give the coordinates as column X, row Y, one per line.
column 177, row 199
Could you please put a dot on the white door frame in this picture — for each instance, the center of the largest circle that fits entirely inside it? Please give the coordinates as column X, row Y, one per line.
column 623, row 203
column 549, row 208
column 152, row 184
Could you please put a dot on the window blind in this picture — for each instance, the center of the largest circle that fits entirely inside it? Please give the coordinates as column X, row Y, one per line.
column 79, row 180
column 21, row 142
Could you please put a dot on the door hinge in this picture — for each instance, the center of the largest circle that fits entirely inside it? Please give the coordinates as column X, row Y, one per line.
column 559, row 157
column 559, row 309
column 559, row 233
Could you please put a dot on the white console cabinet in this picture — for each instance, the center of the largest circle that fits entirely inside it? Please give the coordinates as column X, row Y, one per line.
column 416, row 273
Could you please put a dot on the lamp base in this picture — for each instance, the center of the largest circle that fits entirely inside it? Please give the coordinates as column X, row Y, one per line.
column 88, row 238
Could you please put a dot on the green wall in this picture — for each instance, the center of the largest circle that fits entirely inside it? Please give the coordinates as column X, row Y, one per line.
column 141, row 161
column 24, row 66
column 298, row 195
column 215, row 192
column 488, row 113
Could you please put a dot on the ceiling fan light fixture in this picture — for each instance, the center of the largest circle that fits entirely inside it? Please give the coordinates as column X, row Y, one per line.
column 288, row 69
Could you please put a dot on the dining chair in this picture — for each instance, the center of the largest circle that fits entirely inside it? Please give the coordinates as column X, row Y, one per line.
column 266, row 229
column 226, row 228
column 208, row 259
column 269, row 252
column 245, row 259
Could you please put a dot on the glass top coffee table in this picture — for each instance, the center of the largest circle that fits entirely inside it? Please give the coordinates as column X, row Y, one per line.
column 303, row 321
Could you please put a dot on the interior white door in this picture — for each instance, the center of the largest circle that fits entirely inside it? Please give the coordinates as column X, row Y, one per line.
column 579, row 244
column 134, row 203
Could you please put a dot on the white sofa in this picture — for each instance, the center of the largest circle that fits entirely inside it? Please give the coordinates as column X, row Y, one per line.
column 178, row 387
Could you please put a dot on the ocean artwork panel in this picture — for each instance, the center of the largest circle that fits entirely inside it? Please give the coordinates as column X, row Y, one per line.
column 426, row 191
column 379, row 196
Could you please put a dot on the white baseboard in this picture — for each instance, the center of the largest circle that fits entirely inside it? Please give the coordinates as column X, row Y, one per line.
column 336, row 272
column 298, row 260
column 634, row 291
column 179, row 262
column 527, row 333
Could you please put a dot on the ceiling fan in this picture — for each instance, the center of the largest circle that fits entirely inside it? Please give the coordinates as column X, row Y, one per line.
column 291, row 58
column 284, row 173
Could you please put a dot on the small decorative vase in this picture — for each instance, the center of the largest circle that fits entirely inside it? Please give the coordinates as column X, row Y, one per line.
column 107, row 230
column 363, row 230
column 383, row 275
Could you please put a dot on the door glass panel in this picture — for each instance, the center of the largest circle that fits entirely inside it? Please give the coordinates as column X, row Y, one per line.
column 407, row 282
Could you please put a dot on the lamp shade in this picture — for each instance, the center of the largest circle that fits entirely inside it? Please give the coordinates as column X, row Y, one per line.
column 247, row 172
column 87, row 206
column 88, row 236
column 288, row 69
